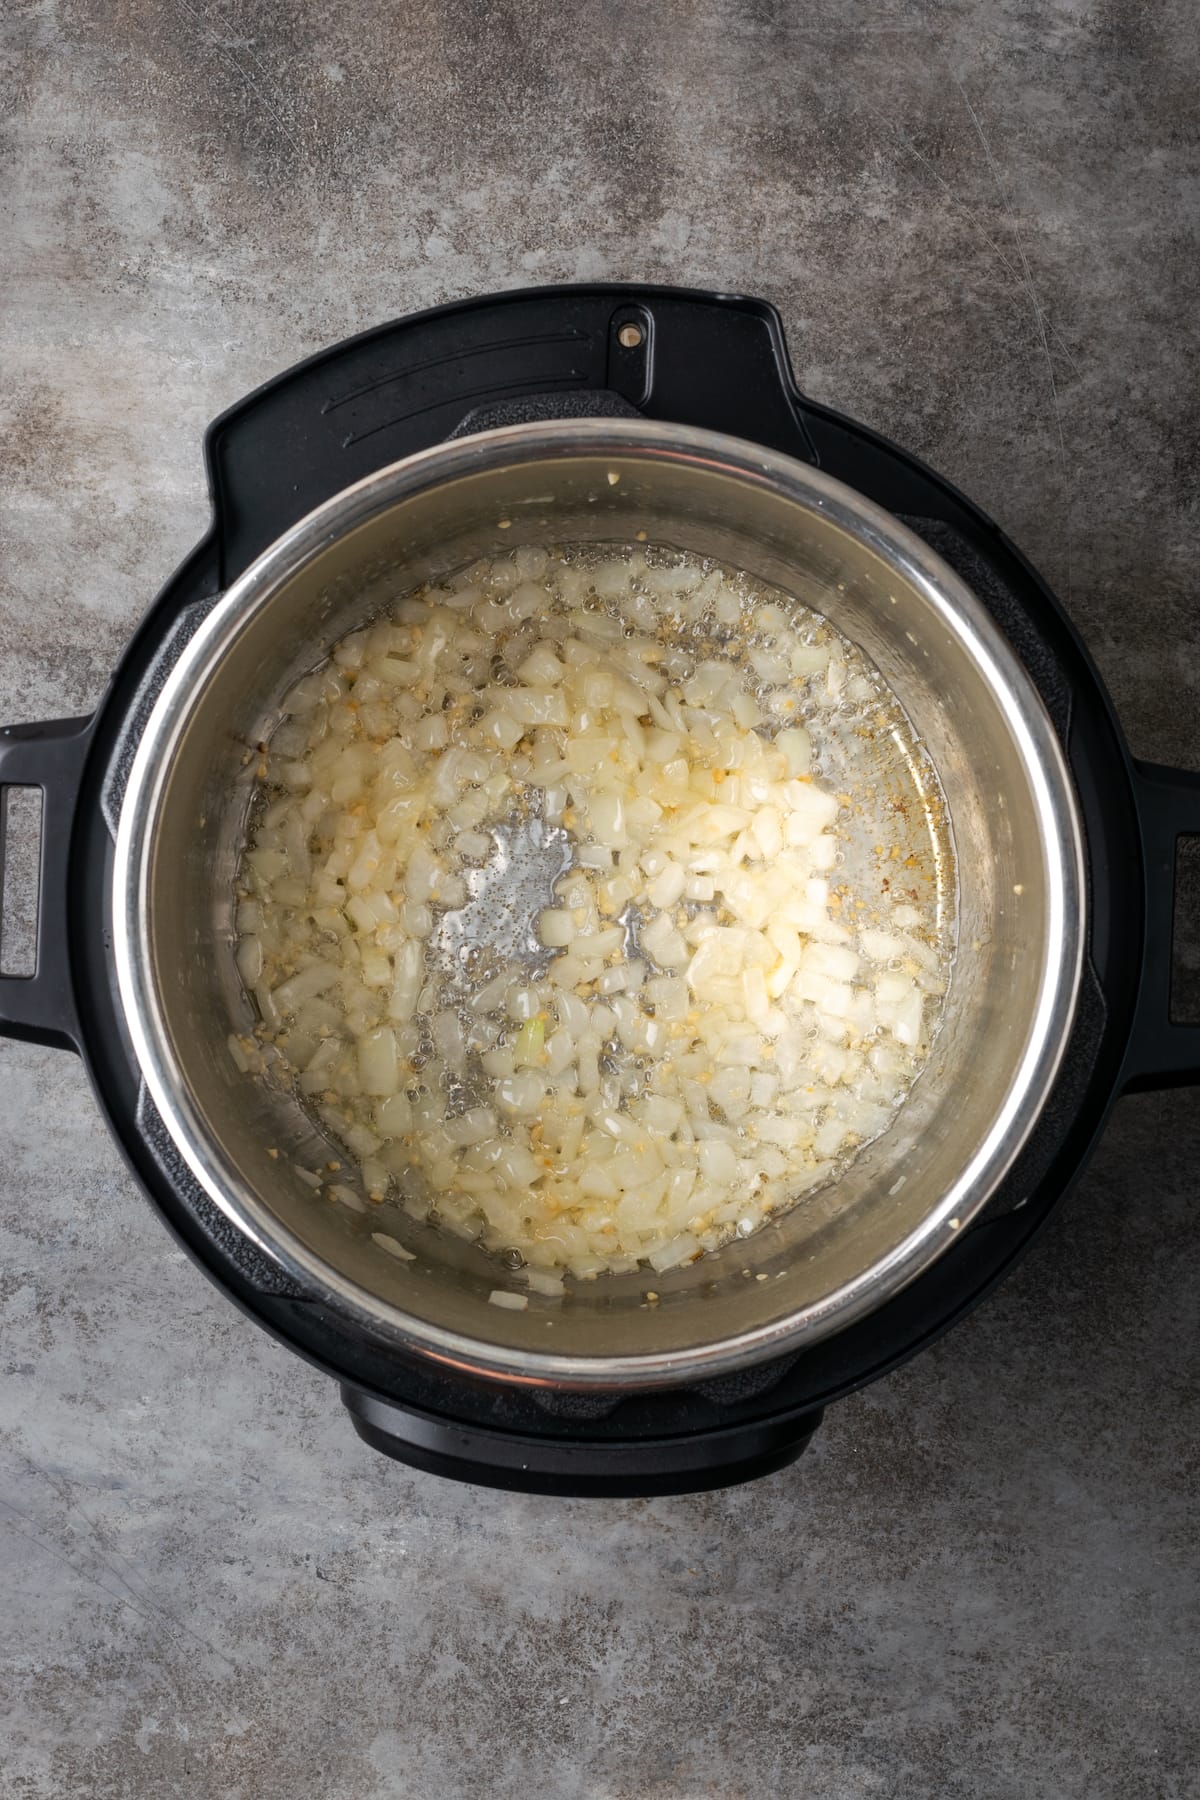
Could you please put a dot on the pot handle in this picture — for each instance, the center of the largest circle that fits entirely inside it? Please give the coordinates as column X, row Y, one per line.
column 40, row 1008
column 578, row 1467
column 1161, row 1052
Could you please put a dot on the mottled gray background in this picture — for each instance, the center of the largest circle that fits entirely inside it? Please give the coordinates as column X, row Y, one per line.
column 980, row 222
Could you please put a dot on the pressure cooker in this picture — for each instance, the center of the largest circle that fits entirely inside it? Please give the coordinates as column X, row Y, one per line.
column 593, row 414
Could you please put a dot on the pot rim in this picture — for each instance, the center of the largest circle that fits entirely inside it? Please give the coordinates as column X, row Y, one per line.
column 1024, row 712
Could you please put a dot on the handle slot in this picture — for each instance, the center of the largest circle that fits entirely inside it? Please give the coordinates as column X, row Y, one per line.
column 1163, row 1051
column 49, row 759
column 20, row 859
column 1185, row 956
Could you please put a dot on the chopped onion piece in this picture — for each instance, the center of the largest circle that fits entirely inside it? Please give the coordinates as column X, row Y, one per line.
column 556, row 928
column 392, row 1246
column 521, row 1093
column 541, row 1282
column 345, row 1196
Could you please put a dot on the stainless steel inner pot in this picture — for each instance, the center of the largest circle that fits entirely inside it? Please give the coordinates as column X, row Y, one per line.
column 1020, row 895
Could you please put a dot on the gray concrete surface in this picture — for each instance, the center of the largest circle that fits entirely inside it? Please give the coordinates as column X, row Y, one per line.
column 980, row 221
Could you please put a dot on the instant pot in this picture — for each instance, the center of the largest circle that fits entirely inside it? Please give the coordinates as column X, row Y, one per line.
column 588, row 414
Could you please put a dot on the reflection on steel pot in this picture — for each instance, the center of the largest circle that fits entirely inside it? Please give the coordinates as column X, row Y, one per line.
column 975, row 710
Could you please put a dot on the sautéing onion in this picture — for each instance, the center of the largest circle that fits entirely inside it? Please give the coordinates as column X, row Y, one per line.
column 702, row 1022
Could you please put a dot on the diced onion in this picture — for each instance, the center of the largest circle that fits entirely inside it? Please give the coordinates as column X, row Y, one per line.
column 705, row 1022
column 541, row 1282
column 378, row 1064
column 514, row 1302
column 392, row 1246
column 556, row 928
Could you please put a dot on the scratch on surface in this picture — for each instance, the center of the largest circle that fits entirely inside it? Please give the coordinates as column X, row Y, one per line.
column 1038, row 313
column 905, row 143
column 139, row 1600
column 55, row 1550
column 131, row 1581
column 287, row 126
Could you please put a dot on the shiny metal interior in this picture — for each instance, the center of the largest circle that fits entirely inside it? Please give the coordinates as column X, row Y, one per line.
column 1020, row 895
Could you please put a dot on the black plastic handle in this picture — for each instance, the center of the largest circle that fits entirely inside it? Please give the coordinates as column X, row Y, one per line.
column 40, row 1008
column 580, row 1467
column 1162, row 1053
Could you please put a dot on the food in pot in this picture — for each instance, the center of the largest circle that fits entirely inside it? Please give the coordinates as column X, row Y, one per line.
column 592, row 904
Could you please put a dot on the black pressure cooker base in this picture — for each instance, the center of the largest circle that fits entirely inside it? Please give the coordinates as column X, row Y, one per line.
column 713, row 361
